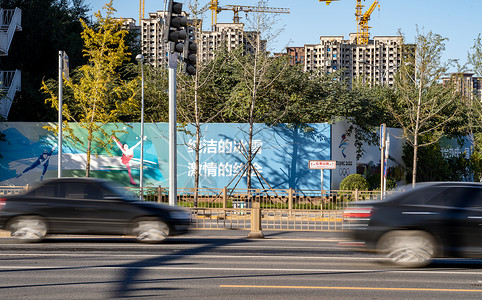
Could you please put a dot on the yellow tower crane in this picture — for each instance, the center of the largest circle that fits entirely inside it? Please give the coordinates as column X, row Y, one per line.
column 141, row 10
column 216, row 9
column 362, row 34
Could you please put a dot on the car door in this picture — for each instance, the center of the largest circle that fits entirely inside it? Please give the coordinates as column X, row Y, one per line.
column 436, row 209
column 470, row 224
column 49, row 201
column 100, row 211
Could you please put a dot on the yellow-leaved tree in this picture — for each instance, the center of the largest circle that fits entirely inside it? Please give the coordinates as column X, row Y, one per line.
column 97, row 93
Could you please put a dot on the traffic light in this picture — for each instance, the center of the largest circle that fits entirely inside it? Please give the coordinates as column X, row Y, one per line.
column 189, row 53
column 174, row 26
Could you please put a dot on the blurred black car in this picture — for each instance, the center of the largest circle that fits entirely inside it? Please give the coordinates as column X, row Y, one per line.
column 431, row 220
column 88, row 206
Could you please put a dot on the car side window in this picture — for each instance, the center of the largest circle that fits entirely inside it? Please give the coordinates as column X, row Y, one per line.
column 451, row 196
column 436, row 196
column 50, row 190
column 421, row 196
column 80, row 190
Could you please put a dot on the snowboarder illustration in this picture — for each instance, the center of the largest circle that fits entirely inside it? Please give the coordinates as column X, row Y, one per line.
column 42, row 160
column 127, row 155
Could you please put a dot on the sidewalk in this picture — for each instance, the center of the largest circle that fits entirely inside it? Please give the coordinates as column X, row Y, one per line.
column 237, row 234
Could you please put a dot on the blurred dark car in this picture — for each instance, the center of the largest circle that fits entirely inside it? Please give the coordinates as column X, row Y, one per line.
column 431, row 220
column 88, row 206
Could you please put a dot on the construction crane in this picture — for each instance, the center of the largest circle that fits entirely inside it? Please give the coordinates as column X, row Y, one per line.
column 362, row 34
column 141, row 10
column 216, row 9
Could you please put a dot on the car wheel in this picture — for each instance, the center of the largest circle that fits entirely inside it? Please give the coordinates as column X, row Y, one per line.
column 28, row 228
column 408, row 248
column 150, row 230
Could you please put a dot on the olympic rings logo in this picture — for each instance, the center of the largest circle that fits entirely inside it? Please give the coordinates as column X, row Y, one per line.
column 344, row 172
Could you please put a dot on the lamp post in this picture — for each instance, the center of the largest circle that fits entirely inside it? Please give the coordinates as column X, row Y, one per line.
column 140, row 59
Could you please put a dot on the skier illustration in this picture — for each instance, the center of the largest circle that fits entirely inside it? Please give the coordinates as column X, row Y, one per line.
column 42, row 160
column 127, row 155
column 343, row 144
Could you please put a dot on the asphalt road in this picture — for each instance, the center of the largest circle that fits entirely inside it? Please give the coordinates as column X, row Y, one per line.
column 222, row 265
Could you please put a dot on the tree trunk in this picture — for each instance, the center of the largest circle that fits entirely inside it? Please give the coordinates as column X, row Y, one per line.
column 198, row 143
column 414, row 170
column 416, row 131
column 89, row 151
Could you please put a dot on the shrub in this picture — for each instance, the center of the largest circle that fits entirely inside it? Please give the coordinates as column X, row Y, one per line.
column 374, row 182
column 354, row 182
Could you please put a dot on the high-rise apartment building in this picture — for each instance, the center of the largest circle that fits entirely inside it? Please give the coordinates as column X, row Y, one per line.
column 296, row 55
column 374, row 63
column 229, row 35
column 152, row 34
column 467, row 84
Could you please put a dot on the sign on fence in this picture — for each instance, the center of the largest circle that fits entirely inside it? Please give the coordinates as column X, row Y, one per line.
column 322, row 164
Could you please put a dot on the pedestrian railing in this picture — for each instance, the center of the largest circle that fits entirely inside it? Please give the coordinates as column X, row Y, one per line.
column 278, row 209
column 13, row 190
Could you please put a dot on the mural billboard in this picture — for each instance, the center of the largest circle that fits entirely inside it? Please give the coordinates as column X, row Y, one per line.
column 30, row 154
column 343, row 152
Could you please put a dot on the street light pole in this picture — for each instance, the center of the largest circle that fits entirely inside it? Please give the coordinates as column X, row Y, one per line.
column 140, row 59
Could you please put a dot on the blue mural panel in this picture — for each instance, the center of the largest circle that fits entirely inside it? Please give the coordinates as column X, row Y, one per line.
column 282, row 154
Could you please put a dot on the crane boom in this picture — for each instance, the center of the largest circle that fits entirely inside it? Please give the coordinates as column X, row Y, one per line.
column 328, row 1
column 215, row 9
column 237, row 8
column 362, row 35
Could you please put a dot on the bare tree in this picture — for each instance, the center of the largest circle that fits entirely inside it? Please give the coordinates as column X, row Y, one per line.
column 259, row 71
column 424, row 105
column 194, row 101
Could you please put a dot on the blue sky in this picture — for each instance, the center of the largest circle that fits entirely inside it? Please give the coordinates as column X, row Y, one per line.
column 458, row 20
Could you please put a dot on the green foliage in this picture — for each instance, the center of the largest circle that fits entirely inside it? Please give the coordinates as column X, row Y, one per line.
column 423, row 106
column 99, row 94
column 433, row 166
column 354, row 182
column 374, row 181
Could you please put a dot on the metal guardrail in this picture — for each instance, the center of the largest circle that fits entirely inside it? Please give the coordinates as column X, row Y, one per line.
column 13, row 190
column 268, row 198
column 284, row 210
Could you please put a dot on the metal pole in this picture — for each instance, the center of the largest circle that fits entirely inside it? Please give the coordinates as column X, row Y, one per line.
column 141, row 182
column 382, row 158
column 321, row 181
column 172, row 130
column 385, row 173
column 61, row 82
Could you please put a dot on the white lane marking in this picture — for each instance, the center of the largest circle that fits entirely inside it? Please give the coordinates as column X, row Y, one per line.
column 26, row 268
column 192, row 256
column 173, row 247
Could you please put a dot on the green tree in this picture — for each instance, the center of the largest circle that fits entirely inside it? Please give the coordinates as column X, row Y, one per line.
column 434, row 166
column 99, row 94
column 423, row 106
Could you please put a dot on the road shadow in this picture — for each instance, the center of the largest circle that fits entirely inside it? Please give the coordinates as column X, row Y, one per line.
column 131, row 274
